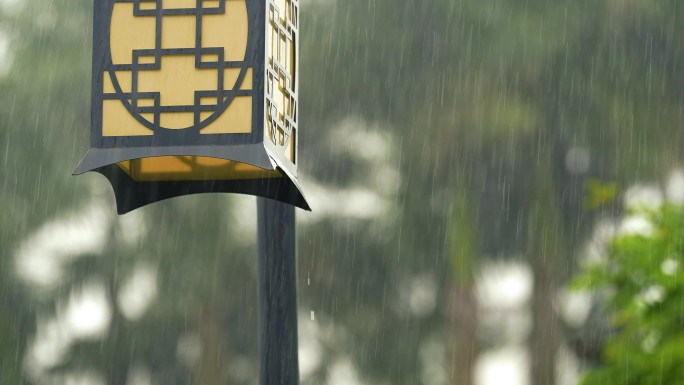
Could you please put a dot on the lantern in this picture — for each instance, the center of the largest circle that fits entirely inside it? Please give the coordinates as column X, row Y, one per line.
column 195, row 96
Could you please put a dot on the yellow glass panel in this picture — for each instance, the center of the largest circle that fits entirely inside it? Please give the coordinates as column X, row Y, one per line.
column 210, row 3
column 230, row 77
column 148, row 5
column 178, row 4
column 282, row 7
column 190, row 168
column 179, row 31
column 293, row 60
column 145, row 102
column 146, row 59
column 209, row 101
column 291, row 148
column 126, row 166
column 108, row 86
column 236, row 119
column 123, row 77
column 148, row 116
column 117, row 121
column 247, row 82
column 228, row 30
column 132, row 32
column 177, row 120
column 175, row 164
column 210, row 58
column 177, row 80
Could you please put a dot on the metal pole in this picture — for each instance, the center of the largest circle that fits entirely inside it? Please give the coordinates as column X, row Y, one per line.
column 278, row 355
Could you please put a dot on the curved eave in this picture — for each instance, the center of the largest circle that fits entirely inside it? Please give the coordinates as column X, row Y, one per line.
column 131, row 195
column 253, row 154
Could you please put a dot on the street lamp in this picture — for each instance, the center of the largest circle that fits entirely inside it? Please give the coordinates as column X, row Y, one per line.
column 195, row 96
column 200, row 96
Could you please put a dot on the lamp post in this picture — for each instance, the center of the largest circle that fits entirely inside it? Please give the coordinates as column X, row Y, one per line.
column 277, row 294
column 200, row 96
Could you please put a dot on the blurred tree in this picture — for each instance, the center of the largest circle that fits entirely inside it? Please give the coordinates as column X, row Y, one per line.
column 464, row 251
column 521, row 93
column 488, row 102
column 641, row 277
column 42, row 110
column 206, row 280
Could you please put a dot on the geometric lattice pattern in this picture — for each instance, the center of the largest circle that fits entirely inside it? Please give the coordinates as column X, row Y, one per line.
column 282, row 54
column 178, row 65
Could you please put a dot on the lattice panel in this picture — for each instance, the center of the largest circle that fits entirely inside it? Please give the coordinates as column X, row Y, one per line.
column 177, row 65
column 282, row 54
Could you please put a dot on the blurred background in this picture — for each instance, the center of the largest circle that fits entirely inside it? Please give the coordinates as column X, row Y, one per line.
column 465, row 160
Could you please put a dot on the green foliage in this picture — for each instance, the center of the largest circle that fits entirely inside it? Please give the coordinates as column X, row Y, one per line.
column 645, row 285
column 599, row 193
column 463, row 247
